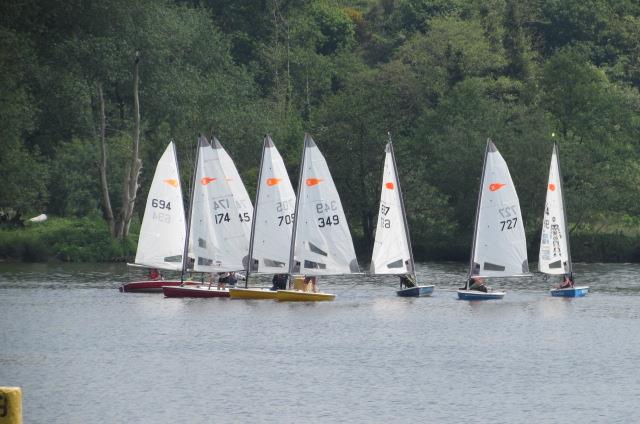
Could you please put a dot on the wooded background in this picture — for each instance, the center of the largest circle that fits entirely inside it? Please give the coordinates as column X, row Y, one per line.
column 441, row 75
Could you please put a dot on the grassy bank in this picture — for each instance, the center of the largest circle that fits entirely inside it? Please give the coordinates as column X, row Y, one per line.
column 88, row 240
column 65, row 239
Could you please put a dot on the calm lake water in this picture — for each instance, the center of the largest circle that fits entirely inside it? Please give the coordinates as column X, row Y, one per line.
column 85, row 353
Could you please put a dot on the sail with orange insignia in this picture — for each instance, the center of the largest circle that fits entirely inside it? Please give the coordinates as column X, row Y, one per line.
column 499, row 247
column 221, row 210
column 162, row 234
column 321, row 241
column 274, row 214
column 391, row 249
column 554, row 243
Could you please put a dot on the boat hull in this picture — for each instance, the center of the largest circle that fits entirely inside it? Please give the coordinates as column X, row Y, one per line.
column 418, row 291
column 194, row 291
column 570, row 292
column 151, row 286
column 302, row 296
column 478, row 295
column 252, row 293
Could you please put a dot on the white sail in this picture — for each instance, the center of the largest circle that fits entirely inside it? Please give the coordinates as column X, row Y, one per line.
column 163, row 226
column 391, row 251
column 322, row 241
column 554, row 243
column 275, row 212
column 219, row 240
column 500, row 247
column 242, row 199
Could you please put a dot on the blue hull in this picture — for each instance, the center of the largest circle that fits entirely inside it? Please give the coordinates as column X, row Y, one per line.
column 477, row 295
column 570, row 292
column 419, row 291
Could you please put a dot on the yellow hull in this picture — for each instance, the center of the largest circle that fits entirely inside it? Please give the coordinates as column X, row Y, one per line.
column 238, row 293
column 301, row 296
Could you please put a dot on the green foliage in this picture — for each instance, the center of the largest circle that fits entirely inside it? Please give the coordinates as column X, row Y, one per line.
column 24, row 177
column 442, row 76
column 74, row 240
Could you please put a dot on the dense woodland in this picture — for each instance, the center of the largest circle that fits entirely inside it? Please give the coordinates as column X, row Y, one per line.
column 441, row 75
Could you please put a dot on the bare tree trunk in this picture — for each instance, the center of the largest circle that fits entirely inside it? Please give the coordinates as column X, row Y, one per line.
column 133, row 170
column 102, row 165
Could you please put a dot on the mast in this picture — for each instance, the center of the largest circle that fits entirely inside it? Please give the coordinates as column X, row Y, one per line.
column 491, row 147
column 309, row 141
column 564, row 209
column 202, row 142
column 402, row 210
column 267, row 143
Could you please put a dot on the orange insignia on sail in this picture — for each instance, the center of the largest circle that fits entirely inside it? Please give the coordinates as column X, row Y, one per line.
column 389, row 185
column 552, row 187
column 273, row 181
column 207, row 180
column 313, row 181
column 172, row 182
column 496, row 186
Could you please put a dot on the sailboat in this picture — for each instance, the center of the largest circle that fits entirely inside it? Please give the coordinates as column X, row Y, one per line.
column 162, row 234
column 499, row 247
column 272, row 224
column 555, row 253
column 321, row 243
column 219, row 216
column 392, row 253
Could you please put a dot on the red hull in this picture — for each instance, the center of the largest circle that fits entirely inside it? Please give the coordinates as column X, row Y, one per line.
column 194, row 291
column 154, row 286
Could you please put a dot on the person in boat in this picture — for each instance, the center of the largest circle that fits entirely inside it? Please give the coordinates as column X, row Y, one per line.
column 567, row 282
column 232, row 280
column 477, row 283
column 154, row 274
column 313, row 280
column 407, row 281
column 279, row 282
column 223, row 280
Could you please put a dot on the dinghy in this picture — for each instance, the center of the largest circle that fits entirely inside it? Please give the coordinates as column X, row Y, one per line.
column 272, row 224
column 321, row 243
column 392, row 253
column 555, row 252
column 499, row 247
column 162, row 234
column 220, row 219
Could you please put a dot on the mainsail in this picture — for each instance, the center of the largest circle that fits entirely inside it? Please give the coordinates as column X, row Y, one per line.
column 321, row 241
column 499, row 246
column 219, row 237
column 392, row 248
column 554, row 257
column 163, row 225
column 274, row 214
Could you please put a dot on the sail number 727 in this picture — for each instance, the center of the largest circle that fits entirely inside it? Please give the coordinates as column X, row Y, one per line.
column 510, row 215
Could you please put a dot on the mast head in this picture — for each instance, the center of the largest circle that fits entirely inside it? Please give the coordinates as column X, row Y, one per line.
column 267, row 141
column 202, row 141
column 215, row 143
column 308, row 141
column 490, row 146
